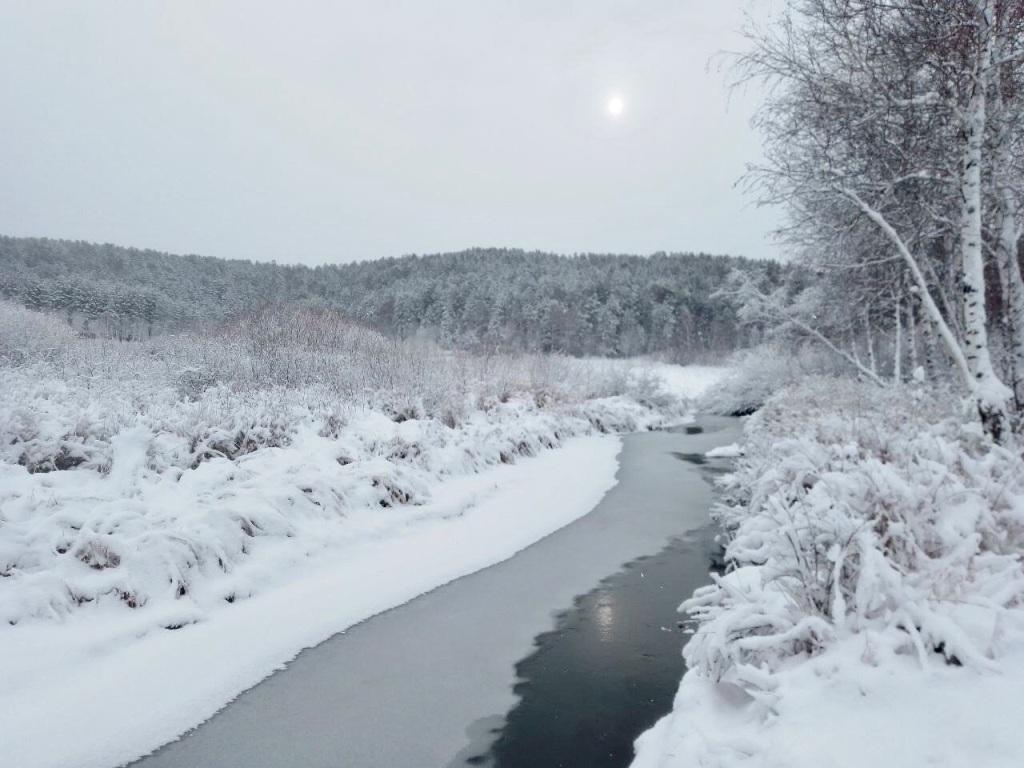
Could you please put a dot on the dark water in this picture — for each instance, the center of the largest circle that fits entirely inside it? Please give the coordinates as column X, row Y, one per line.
column 608, row 670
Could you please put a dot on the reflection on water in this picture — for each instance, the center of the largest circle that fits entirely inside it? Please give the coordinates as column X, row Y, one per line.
column 607, row 671
column 604, row 616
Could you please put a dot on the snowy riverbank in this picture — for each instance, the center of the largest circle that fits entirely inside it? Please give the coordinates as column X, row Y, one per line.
column 876, row 612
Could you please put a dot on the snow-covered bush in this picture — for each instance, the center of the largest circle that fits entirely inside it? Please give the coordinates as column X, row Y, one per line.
column 29, row 336
column 758, row 373
column 862, row 510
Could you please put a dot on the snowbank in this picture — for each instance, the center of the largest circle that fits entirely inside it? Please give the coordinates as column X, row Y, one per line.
column 874, row 613
column 730, row 451
column 839, row 710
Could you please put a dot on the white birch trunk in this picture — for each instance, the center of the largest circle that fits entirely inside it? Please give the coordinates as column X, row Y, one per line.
column 972, row 277
column 989, row 391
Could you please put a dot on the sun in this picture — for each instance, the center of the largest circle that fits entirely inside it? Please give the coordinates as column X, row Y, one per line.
column 616, row 106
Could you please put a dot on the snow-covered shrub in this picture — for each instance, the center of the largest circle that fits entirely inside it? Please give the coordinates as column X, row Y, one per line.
column 862, row 510
column 27, row 336
column 192, row 382
column 758, row 373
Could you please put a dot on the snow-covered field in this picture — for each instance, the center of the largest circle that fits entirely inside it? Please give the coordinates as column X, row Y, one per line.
column 876, row 613
column 164, row 545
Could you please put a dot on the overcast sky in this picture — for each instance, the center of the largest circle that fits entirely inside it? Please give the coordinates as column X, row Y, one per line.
column 317, row 131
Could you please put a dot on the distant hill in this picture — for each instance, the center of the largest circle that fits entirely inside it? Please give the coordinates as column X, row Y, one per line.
column 497, row 298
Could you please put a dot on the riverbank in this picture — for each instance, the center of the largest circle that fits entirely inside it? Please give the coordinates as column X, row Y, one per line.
column 874, row 614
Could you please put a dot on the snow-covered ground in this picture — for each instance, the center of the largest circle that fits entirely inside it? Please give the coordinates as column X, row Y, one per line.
column 160, row 553
column 848, row 708
column 875, row 615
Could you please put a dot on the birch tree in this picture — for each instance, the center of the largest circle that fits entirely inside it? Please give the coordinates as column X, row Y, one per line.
column 879, row 114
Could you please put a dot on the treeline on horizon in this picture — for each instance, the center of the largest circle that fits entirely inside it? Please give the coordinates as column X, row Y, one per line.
column 493, row 299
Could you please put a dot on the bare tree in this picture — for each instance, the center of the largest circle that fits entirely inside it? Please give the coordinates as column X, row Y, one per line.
column 879, row 115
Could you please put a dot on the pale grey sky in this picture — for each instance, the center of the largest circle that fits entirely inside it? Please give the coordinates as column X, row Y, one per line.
column 319, row 131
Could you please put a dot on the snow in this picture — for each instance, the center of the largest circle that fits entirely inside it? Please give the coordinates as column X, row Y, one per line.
column 119, row 687
column 730, row 451
column 835, row 710
column 876, row 589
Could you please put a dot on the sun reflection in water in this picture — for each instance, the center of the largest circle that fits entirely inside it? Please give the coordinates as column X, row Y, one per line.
column 604, row 615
